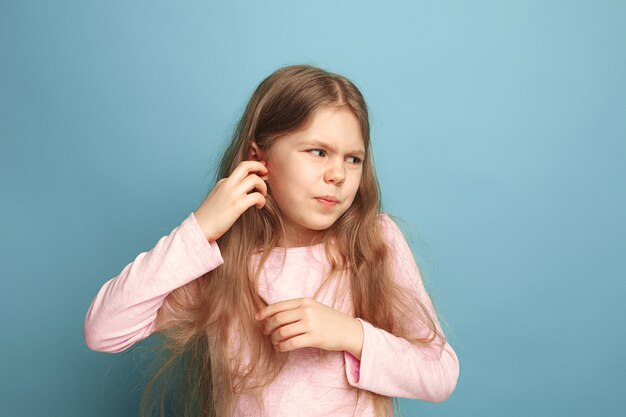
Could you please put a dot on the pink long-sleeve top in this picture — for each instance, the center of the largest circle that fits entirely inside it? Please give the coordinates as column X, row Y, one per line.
column 124, row 312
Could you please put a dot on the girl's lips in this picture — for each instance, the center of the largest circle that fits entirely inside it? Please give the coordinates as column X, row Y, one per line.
column 327, row 201
column 329, row 198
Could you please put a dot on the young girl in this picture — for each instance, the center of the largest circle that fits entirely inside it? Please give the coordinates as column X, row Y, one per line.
column 287, row 292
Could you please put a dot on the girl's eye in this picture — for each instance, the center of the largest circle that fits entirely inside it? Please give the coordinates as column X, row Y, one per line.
column 318, row 152
column 322, row 153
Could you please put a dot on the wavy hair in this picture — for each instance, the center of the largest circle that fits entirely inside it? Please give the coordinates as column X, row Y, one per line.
column 198, row 321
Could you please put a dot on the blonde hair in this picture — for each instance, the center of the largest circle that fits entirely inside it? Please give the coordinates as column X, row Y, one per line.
column 199, row 319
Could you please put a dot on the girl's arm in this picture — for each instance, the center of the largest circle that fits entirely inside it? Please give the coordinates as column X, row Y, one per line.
column 125, row 309
column 391, row 365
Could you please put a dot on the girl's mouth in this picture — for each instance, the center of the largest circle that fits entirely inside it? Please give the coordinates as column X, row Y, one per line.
column 327, row 201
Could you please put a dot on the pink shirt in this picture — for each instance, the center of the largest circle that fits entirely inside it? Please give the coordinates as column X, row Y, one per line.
column 124, row 312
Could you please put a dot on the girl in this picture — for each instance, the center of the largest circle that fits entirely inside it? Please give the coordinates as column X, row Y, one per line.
column 287, row 292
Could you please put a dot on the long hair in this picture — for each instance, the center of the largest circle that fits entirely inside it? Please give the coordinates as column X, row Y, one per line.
column 199, row 320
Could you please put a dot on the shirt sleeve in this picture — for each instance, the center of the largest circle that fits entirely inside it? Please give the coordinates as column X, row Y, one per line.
column 393, row 366
column 124, row 310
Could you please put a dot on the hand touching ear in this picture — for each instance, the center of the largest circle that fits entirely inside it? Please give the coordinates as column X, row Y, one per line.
column 230, row 197
column 304, row 322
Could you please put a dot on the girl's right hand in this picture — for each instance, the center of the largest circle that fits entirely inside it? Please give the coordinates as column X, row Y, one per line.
column 229, row 199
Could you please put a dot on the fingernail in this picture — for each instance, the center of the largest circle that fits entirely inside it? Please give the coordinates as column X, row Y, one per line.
column 256, row 316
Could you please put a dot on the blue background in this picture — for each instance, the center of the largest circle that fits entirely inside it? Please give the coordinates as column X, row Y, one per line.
column 499, row 130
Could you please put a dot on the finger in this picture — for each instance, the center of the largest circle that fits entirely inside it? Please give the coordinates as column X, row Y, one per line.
column 287, row 332
column 254, row 199
column 252, row 182
column 296, row 342
column 272, row 309
column 245, row 168
column 282, row 319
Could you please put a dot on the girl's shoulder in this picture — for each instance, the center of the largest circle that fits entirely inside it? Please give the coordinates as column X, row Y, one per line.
column 385, row 219
column 392, row 229
column 389, row 225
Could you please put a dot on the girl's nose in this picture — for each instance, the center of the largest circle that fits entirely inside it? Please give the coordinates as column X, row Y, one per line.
column 335, row 173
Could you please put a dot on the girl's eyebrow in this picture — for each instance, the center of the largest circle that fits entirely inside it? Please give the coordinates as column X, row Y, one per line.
column 356, row 152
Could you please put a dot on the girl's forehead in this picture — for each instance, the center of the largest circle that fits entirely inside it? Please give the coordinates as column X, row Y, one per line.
column 330, row 127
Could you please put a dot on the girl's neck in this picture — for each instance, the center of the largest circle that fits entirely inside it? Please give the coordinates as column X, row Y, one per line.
column 301, row 238
column 298, row 243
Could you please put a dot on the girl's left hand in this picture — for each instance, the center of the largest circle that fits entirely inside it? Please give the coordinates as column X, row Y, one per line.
column 304, row 322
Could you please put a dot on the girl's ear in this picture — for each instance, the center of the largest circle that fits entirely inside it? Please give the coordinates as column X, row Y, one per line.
column 255, row 153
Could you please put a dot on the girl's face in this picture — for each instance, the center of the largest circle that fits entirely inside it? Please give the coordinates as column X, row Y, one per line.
column 314, row 174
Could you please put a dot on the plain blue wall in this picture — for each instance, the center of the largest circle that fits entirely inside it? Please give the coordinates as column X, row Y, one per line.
column 500, row 137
